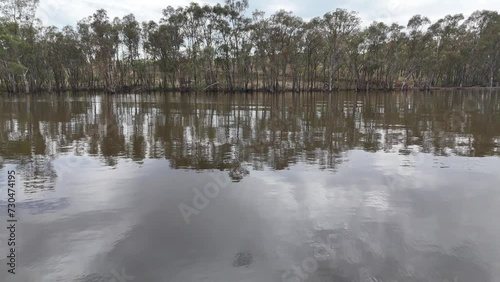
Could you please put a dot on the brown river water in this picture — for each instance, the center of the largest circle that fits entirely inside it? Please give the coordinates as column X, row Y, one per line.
column 346, row 187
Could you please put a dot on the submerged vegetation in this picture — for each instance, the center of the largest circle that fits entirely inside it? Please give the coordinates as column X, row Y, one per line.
column 224, row 48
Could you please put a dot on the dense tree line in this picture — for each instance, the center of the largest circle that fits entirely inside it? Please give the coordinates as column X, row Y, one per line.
column 221, row 47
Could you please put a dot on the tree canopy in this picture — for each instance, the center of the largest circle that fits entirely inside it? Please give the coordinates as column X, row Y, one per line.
column 220, row 47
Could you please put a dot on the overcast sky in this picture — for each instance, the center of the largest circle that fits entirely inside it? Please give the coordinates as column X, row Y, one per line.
column 68, row 12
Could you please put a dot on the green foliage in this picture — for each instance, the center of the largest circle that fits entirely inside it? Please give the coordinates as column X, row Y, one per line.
column 204, row 47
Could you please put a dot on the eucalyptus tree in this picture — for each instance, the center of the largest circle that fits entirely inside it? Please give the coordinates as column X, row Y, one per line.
column 337, row 27
column 211, row 44
column 285, row 35
column 260, row 33
column 447, row 63
column 74, row 59
column 13, row 47
column 18, row 17
column 218, row 47
column 224, row 44
column 131, row 31
column 227, row 44
column 313, row 48
column 355, row 60
column 238, row 27
column 104, row 38
column 89, row 52
column 244, row 58
column 131, row 37
column 394, row 54
column 416, row 47
column 147, row 75
column 53, row 43
column 168, row 40
column 193, row 23
column 488, row 46
column 478, row 45
column 375, row 41
column 21, row 12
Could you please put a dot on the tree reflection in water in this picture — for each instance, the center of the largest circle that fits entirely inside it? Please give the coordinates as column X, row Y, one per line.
column 241, row 133
column 221, row 131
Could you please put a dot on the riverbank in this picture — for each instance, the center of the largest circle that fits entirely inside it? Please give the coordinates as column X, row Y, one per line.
column 139, row 90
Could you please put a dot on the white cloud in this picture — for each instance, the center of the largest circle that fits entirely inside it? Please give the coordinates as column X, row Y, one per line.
column 401, row 11
column 64, row 12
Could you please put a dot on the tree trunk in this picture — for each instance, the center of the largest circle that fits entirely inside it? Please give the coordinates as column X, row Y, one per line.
column 330, row 84
column 491, row 76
